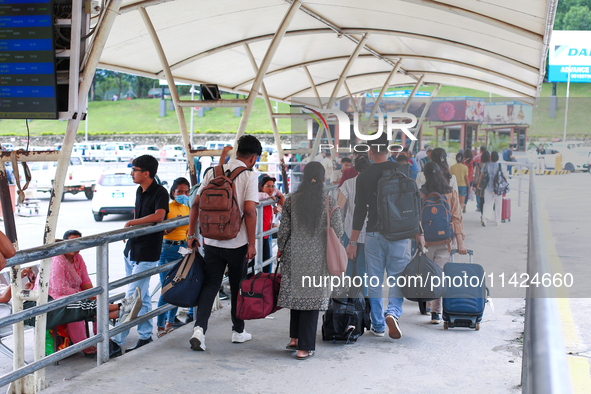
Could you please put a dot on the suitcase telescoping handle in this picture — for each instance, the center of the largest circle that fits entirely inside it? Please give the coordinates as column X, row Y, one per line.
column 454, row 251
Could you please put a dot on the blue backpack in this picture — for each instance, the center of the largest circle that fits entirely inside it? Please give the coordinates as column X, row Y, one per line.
column 436, row 217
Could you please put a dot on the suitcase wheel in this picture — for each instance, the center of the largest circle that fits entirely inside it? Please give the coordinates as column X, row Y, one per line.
column 445, row 325
column 477, row 327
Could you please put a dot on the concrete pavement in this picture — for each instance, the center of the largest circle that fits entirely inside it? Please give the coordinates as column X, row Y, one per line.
column 426, row 359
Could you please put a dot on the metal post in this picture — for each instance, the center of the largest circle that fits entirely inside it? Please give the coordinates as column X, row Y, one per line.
column 273, row 123
column 519, row 174
column 353, row 103
column 412, row 94
column 192, row 117
column 102, row 302
column 423, row 115
column 346, row 70
column 381, row 95
column 6, row 201
column 258, row 259
column 313, row 85
column 256, row 85
column 102, row 33
column 173, row 91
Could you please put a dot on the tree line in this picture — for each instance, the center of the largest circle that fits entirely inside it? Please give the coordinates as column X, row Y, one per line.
column 107, row 83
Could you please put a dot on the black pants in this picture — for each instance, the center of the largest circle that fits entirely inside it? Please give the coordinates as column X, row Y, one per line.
column 303, row 326
column 216, row 260
column 267, row 255
column 482, row 205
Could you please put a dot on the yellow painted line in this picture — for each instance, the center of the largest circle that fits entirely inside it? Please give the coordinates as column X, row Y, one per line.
column 579, row 367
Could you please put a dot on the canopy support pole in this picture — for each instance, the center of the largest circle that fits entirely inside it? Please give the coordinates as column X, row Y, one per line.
column 382, row 92
column 256, row 85
column 102, row 33
column 423, row 115
column 353, row 103
column 346, row 70
column 173, row 91
column 273, row 122
column 313, row 85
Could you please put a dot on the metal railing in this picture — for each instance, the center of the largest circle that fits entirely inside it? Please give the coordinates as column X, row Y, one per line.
column 544, row 363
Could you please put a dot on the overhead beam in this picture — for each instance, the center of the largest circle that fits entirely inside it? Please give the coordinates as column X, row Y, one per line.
column 510, row 92
column 484, row 19
column 141, row 4
column 256, row 85
column 381, row 95
column 550, row 16
column 396, row 56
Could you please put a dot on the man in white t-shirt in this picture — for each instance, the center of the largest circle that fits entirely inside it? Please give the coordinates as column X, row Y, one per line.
column 337, row 174
column 233, row 253
column 327, row 164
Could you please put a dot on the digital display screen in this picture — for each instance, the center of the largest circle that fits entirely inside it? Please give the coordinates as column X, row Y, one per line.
column 27, row 61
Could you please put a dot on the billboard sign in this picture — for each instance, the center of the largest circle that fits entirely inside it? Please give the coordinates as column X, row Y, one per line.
column 507, row 112
column 456, row 109
column 570, row 51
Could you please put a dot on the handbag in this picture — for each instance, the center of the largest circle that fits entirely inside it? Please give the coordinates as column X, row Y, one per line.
column 258, row 295
column 183, row 282
column 418, row 274
column 336, row 255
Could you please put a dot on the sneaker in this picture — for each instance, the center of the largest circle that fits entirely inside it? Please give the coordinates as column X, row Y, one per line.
column 483, row 221
column 240, row 337
column 223, row 296
column 130, row 306
column 393, row 327
column 497, row 223
column 427, row 311
column 197, row 341
column 376, row 332
column 435, row 318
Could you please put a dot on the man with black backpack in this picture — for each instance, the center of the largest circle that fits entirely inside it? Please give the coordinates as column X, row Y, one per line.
column 392, row 200
column 229, row 235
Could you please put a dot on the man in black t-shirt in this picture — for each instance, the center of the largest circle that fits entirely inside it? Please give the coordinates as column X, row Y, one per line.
column 380, row 253
column 142, row 253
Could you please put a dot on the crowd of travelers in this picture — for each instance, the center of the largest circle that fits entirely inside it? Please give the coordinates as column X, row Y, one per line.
column 301, row 218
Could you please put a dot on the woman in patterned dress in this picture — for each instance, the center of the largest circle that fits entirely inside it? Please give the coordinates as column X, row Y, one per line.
column 302, row 250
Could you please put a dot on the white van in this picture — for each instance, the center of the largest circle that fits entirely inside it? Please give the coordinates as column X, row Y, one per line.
column 89, row 151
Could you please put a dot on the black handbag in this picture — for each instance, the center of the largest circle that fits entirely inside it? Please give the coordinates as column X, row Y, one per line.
column 183, row 282
column 419, row 273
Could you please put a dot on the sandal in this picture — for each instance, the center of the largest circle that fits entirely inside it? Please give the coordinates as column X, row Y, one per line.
column 291, row 347
column 310, row 354
column 162, row 331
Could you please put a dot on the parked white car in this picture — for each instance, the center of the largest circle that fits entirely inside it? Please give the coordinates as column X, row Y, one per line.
column 117, row 152
column 89, row 151
column 151, row 150
column 79, row 178
column 114, row 193
column 173, row 153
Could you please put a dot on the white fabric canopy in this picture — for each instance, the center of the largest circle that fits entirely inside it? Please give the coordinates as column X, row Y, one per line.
column 496, row 46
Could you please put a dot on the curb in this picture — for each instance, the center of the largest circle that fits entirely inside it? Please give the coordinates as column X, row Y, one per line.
column 545, row 172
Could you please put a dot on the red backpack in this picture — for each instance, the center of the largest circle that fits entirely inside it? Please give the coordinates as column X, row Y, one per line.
column 219, row 213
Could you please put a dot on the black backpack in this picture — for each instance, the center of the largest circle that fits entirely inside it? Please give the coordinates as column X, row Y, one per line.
column 484, row 178
column 418, row 274
column 347, row 316
column 399, row 204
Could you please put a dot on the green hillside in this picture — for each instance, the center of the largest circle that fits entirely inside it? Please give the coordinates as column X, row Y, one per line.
column 141, row 116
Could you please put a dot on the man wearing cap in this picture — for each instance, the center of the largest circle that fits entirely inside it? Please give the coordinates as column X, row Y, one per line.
column 427, row 158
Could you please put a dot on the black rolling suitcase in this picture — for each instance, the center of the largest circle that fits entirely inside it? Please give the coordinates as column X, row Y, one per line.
column 463, row 306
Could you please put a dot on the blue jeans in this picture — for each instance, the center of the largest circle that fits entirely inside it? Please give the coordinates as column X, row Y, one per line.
column 169, row 254
column 134, row 267
column 391, row 256
column 360, row 263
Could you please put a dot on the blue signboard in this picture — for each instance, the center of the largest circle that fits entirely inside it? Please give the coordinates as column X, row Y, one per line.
column 27, row 60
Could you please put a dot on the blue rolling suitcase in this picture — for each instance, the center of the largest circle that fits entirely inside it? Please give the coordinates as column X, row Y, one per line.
column 463, row 306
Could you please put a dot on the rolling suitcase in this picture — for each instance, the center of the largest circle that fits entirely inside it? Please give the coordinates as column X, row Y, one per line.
column 506, row 211
column 463, row 305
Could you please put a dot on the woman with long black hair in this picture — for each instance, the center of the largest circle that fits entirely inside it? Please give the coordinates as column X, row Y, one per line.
column 301, row 247
column 437, row 182
column 480, row 168
column 439, row 156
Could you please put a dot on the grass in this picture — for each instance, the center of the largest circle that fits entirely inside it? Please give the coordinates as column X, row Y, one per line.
column 142, row 116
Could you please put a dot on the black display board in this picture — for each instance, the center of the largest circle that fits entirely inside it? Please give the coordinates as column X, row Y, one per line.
column 27, row 60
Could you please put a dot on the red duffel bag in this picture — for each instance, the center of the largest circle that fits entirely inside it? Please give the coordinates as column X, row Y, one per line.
column 258, row 295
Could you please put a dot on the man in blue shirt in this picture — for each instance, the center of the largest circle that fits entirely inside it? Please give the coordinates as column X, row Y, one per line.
column 508, row 156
